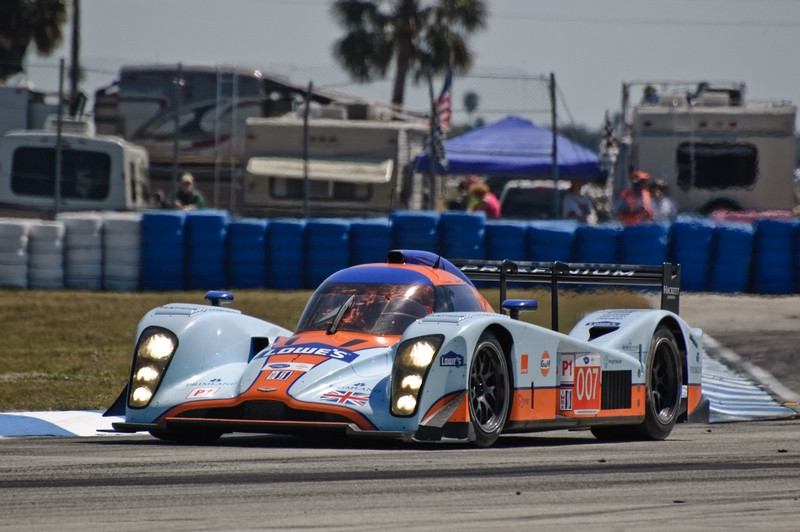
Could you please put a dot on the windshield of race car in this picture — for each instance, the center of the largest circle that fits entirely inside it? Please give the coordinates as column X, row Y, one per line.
column 375, row 308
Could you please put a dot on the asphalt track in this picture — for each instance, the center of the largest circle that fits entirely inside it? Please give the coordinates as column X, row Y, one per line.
column 730, row 476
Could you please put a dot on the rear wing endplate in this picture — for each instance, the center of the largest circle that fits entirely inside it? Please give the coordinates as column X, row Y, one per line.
column 667, row 276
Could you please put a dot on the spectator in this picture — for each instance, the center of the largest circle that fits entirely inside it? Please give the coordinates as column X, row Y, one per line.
column 467, row 201
column 576, row 205
column 188, row 197
column 634, row 204
column 650, row 95
column 484, row 200
column 664, row 209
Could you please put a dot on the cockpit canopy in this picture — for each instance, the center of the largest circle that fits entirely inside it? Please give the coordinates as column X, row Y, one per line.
column 360, row 302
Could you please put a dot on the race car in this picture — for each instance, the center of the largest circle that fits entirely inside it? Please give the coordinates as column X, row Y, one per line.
column 410, row 349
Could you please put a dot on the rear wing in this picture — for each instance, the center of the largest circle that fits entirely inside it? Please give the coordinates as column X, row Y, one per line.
column 667, row 276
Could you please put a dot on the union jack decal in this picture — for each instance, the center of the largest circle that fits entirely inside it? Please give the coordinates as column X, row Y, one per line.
column 346, row 398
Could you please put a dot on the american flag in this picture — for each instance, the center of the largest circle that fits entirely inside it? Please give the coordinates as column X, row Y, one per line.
column 346, row 397
column 444, row 104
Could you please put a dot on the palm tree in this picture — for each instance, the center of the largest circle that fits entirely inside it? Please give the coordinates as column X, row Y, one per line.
column 421, row 39
column 23, row 21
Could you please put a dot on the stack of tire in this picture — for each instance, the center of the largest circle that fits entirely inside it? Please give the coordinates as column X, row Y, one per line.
column 774, row 259
column 550, row 241
column 506, row 240
column 327, row 249
column 205, row 237
column 162, row 250
column 122, row 255
column 370, row 240
column 597, row 243
column 732, row 252
column 462, row 235
column 646, row 244
column 83, row 250
column 13, row 253
column 691, row 240
column 286, row 254
column 46, row 255
column 416, row 230
column 247, row 253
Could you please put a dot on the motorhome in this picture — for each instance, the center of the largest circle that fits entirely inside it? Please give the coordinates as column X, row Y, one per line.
column 96, row 173
column 714, row 149
column 351, row 167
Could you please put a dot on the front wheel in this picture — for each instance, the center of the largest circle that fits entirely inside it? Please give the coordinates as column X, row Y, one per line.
column 489, row 390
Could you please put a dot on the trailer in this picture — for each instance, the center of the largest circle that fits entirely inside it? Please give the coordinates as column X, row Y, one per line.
column 714, row 149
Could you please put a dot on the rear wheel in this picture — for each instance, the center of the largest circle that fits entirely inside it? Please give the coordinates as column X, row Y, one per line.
column 489, row 390
column 662, row 396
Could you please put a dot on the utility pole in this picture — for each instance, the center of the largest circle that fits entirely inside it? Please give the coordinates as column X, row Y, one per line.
column 75, row 67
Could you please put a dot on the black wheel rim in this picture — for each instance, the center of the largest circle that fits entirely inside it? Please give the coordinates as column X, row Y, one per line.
column 665, row 389
column 488, row 393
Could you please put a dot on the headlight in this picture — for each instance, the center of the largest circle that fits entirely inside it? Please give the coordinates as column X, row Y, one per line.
column 411, row 364
column 153, row 353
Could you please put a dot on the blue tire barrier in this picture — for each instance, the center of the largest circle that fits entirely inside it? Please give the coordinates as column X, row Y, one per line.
column 206, row 232
column 598, row 243
column 691, row 241
column 644, row 244
column 506, row 240
column 774, row 259
column 163, row 251
column 286, row 254
column 327, row 249
column 416, row 230
column 370, row 240
column 247, row 253
column 462, row 235
column 732, row 258
column 551, row 241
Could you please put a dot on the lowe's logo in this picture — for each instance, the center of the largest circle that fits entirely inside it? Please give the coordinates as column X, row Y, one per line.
column 312, row 349
column 451, row 359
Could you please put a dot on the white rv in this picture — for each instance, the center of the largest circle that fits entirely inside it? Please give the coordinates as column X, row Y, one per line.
column 97, row 172
column 712, row 148
column 354, row 167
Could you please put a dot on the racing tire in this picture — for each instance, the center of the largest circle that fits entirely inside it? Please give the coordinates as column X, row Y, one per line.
column 664, row 381
column 489, row 391
column 193, row 436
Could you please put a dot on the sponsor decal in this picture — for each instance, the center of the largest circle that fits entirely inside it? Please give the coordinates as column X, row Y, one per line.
column 544, row 365
column 323, row 350
column 451, row 359
column 279, row 375
column 202, row 393
column 523, row 364
column 210, row 383
column 346, row 397
column 287, row 366
column 565, row 400
column 602, row 324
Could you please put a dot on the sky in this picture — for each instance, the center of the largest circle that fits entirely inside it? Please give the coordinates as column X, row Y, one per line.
column 590, row 46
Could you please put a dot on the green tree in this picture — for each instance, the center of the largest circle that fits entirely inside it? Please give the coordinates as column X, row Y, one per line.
column 421, row 39
column 26, row 21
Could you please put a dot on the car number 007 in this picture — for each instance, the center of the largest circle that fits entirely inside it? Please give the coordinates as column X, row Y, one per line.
column 586, row 381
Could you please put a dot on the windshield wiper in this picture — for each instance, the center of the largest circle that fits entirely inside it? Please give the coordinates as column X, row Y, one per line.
column 339, row 315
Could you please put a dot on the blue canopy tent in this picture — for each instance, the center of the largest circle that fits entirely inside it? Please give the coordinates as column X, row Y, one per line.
column 516, row 147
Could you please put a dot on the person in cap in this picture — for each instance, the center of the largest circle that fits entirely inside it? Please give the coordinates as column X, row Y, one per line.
column 188, row 197
column 664, row 209
column 635, row 204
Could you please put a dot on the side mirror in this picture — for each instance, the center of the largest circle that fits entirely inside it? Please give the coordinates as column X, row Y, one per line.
column 515, row 306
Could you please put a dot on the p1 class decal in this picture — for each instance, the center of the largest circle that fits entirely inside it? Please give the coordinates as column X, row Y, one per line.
column 586, row 395
column 202, row 393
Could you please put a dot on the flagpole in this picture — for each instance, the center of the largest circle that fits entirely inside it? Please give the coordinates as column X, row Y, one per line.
column 431, row 151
